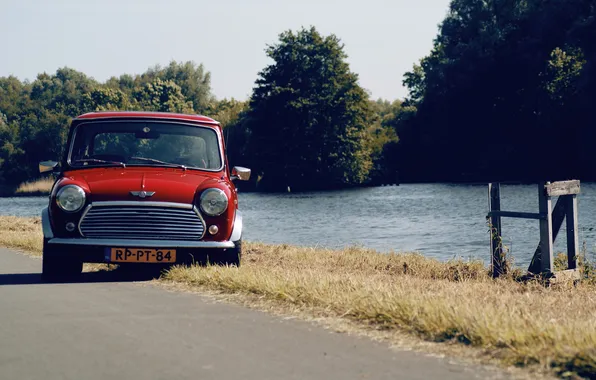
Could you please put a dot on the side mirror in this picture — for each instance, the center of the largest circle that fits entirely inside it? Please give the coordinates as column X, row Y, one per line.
column 238, row 172
column 47, row 166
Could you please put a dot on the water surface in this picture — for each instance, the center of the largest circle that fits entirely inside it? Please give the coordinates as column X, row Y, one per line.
column 439, row 220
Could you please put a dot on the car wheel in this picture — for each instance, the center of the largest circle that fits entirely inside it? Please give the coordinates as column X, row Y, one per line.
column 230, row 257
column 56, row 268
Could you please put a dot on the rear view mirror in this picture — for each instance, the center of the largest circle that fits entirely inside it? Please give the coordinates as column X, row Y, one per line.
column 47, row 166
column 147, row 135
column 238, row 172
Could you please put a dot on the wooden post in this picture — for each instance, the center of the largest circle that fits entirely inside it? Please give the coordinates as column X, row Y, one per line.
column 546, row 230
column 572, row 233
column 558, row 215
column 496, row 247
column 550, row 224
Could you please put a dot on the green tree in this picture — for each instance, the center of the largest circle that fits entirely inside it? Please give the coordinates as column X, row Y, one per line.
column 193, row 79
column 62, row 92
column 230, row 113
column 125, row 83
column 505, row 83
column 227, row 112
column 34, row 117
column 161, row 96
column 37, row 137
column 564, row 68
column 308, row 116
column 5, row 139
column 105, row 99
column 14, row 97
column 381, row 137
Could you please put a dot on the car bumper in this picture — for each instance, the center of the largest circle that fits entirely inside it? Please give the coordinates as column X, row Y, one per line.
column 124, row 243
column 96, row 250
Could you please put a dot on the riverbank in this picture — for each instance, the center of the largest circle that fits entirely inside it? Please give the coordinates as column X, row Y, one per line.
column 454, row 303
column 35, row 188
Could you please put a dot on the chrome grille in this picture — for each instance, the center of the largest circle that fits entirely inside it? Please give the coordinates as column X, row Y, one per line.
column 147, row 220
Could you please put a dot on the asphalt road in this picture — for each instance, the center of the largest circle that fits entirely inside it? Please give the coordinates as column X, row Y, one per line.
column 106, row 327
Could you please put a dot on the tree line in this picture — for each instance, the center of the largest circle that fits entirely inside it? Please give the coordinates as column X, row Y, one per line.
column 308, row 125
column 505, row 94
column 35, row 116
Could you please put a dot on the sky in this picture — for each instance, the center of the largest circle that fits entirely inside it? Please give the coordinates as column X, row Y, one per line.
column 105, row 38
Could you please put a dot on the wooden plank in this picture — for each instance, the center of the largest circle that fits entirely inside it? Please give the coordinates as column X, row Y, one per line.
column 515, row 214
column 556, row 189
column 572, row 231
column 496, row 247
column 546, row 231
column 558, row 215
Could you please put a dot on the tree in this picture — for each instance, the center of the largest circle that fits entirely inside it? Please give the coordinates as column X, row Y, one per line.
column 308, row 116
column 161, row 96
column 34, row 117
column 6, row 145
column 105, row 99
column 381, row 138
column 227, row 112
column 505, row 83
column 125, row 83
column 564, row 68
column 14, row 97
column 194, row 81
column 230, row 113
column 61, row 92
column 37, row 137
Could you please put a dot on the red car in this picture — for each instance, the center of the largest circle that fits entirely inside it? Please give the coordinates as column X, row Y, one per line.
column 144, row 188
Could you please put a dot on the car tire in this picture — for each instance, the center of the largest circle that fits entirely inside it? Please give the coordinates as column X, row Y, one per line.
column 56, row 268
column 230, row 257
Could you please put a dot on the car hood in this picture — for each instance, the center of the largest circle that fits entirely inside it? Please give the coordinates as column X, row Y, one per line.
column 167, row 184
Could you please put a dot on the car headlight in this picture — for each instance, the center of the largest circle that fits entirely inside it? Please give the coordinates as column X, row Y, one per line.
column 70, row 198
column 214, row 202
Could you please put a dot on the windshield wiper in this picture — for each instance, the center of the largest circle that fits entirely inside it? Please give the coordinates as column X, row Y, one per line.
column 96, row 160
column 159, row 162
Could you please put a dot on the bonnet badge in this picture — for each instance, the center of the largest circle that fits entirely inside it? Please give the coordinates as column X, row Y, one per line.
column 142, row 194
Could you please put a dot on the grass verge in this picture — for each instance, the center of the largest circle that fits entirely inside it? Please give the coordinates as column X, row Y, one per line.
column 522, row 324
column 38, row 187
column 25, row 234
column 21, row 233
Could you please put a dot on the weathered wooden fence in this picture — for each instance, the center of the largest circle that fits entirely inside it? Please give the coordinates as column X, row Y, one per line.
column 550, row 221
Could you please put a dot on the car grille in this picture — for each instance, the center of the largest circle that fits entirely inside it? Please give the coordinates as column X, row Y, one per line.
column 142, row 222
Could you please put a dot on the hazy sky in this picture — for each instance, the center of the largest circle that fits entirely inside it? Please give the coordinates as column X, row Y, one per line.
column 104, row 38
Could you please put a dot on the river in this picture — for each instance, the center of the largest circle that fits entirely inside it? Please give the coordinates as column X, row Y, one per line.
column 438, row 220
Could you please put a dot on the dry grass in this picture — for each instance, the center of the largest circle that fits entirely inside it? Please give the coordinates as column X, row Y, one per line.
column 39, row 187
column 21, row 233
column 25, row 234
column 525, row 324
column 520, row 324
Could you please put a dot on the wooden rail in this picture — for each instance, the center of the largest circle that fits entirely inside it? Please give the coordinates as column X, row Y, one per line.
column 550, row 221
column 515, row 214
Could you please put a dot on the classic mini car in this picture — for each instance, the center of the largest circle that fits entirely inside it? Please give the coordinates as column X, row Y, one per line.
column 144, row 188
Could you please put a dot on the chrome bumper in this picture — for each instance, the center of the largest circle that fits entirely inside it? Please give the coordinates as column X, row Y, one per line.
column 134, row 243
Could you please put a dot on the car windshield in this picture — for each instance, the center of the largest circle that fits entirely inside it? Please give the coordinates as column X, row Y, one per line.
column 145, row 144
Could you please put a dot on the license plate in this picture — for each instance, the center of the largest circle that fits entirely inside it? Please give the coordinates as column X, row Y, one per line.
column 140, row 255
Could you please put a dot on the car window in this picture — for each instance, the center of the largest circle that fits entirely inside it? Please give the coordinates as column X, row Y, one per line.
column 146, row 144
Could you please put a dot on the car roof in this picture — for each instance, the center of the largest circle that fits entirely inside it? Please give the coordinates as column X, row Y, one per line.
column 148, row 115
